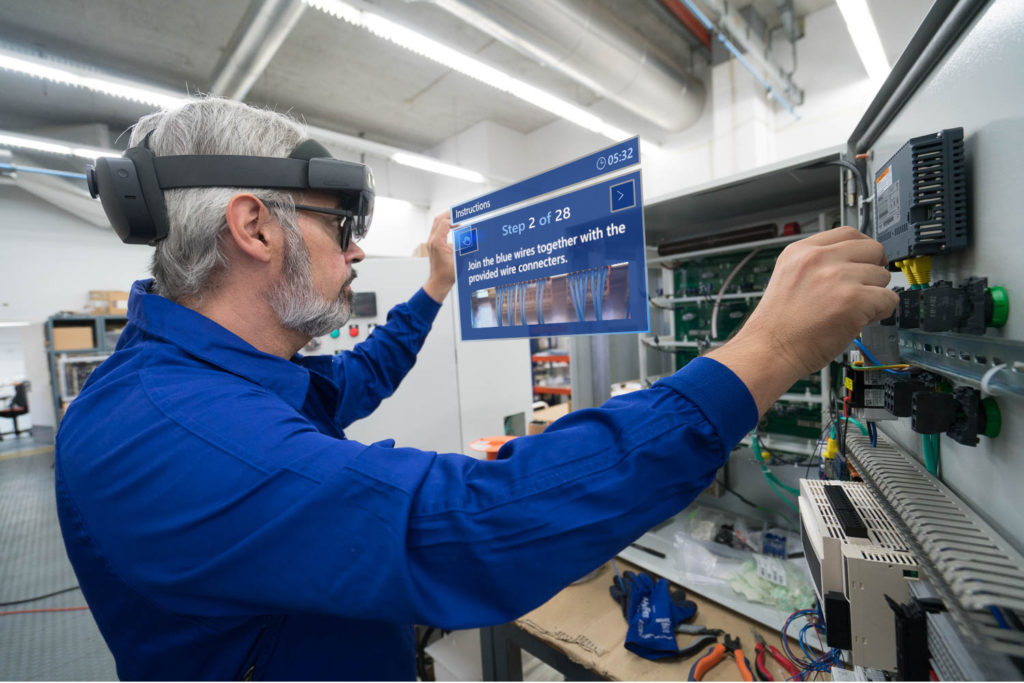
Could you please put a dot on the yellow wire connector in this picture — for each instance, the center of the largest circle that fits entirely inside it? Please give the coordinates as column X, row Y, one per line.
column 831, row 448
column 918, row 270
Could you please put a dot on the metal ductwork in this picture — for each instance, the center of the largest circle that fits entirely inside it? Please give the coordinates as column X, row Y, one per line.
column 259, row 35
column 589, row 44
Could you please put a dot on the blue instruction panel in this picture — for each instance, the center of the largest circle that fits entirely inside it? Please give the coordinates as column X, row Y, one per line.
column 618, row 157
column 572, row 264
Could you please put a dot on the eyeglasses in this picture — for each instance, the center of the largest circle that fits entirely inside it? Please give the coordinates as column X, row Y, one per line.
column 352, row 227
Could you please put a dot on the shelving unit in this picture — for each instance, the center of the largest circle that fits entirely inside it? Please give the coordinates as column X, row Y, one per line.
column 549, row 362
column 71, row 367
column 551, row 373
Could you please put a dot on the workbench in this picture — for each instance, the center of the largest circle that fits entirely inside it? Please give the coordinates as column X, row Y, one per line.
column 580, row 632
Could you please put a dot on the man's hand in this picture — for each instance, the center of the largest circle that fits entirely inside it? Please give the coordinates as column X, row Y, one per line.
column 824, row 290
column 442, row 259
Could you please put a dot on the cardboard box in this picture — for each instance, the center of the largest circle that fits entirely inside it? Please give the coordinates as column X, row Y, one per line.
column 107, row 302
column 73, row 337
column 543, row 417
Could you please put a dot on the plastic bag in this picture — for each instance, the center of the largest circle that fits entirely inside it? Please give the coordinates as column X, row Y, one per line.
column 773, row 582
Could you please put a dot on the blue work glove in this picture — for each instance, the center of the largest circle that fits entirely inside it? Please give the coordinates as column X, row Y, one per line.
column 652, row 614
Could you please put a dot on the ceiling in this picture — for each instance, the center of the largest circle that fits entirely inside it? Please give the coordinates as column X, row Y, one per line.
column 326, row 71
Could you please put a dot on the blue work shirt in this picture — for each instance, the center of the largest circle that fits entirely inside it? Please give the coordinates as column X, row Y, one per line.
column 222, row 526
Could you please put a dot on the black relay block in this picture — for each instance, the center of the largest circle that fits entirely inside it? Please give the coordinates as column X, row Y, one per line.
column 866, row 388
column 962, row 415
column 899, row 394
column 932, row 413
column 967, row 309
column 908, row 313
column 958, row 309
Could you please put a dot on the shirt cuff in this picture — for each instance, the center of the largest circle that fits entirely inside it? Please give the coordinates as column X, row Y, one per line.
column 423, row 306
column 720, row 395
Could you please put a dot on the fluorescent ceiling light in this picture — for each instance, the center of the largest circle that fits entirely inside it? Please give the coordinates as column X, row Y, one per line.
column 435, row 166
column 49, row 146
column 465, row 64
column 80, row 76
column 13, row 324
column 865, row 37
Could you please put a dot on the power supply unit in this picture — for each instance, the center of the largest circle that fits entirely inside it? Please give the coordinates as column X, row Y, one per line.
column 921, row 197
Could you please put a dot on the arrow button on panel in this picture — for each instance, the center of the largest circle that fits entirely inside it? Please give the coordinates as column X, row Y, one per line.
column 623, row 196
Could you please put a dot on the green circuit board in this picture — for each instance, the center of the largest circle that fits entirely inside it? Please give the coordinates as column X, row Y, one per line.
column 701, row 281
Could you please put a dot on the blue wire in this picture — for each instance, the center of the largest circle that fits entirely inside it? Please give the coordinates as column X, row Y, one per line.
column 522, row 302
column 874, row 360
column 42, row 171
column 579, row 294
column 540, row 301
column 998, row 616
column 873, row 431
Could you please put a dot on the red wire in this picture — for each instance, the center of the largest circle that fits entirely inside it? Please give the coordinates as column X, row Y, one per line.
column 51, row 609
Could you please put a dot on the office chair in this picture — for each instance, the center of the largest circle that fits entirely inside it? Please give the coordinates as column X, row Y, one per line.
column 17, row 407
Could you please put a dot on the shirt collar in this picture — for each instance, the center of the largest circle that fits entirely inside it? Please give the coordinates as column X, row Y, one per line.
column 203, row 338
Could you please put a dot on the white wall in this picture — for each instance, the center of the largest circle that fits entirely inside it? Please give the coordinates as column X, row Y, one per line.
column 12, row 361
column 51, row 259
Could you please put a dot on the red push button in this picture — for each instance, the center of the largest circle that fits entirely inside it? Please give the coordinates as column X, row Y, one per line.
column 353, row 330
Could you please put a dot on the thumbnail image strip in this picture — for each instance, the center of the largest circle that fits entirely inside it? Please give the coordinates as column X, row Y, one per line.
column 589, row 295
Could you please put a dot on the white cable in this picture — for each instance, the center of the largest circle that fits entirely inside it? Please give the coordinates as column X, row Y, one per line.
column 725, row 286
column 986, row 390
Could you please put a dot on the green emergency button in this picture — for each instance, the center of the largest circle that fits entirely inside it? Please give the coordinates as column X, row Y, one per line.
column 335, row 334
column 993, row 417
column 1000, row 306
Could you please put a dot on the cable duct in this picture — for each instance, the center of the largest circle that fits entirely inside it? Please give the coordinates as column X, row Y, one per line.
column 590, row 45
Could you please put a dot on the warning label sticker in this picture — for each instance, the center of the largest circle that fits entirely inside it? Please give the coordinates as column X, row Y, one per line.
column 883, row 181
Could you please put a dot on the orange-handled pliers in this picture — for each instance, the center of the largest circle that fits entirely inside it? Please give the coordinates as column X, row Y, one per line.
column 762, row 648
column 717, row 654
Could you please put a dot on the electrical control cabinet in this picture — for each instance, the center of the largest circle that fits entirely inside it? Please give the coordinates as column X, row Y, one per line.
column 943, row 172
column 931, row 171
column 457, row 392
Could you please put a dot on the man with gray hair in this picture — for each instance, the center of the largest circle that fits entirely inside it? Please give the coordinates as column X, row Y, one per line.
column 223, row 527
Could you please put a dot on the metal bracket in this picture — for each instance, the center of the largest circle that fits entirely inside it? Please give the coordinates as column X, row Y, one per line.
column 968, row 358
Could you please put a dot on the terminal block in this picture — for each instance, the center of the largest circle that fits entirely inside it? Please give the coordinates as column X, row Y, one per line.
column 963, row 415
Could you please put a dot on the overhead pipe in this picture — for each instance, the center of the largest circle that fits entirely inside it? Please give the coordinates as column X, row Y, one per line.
column 259, row 35
column 735, row 51
column 692, row 24
column 592, row 47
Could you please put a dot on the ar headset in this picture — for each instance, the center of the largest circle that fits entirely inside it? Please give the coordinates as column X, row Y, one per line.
column 131, row 188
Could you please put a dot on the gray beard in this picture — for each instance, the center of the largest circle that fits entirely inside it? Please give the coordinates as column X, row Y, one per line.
column 295, row 300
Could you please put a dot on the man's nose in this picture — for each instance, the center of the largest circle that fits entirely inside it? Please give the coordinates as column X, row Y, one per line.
column 354, row 253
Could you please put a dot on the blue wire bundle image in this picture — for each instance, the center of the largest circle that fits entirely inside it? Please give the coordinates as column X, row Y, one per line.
column 588, row 295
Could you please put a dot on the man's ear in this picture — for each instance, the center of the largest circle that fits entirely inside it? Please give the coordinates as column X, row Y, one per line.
column 247, row 226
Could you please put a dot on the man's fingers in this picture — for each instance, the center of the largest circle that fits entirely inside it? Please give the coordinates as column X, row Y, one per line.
column 841, row 234
column 861, row 251
column 869, row 274
column 442, row 225
column 882, row 303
